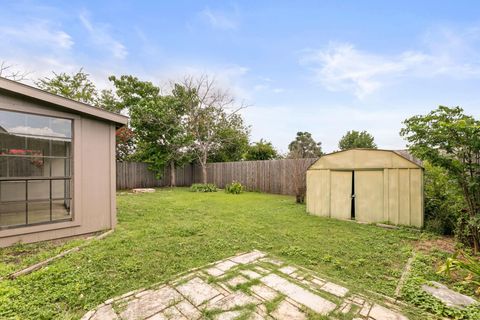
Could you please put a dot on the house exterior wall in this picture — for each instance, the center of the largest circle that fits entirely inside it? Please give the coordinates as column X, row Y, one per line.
column 93, row 177
column 388, row 188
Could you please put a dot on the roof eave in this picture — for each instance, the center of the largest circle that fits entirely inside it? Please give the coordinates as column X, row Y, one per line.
column 23, row 90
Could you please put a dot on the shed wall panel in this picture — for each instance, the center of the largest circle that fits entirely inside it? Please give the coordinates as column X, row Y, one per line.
column 404, row 196
column 341, row 194
column 369, row 204
column 318, row 192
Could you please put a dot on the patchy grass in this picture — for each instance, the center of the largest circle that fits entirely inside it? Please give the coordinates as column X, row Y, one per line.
column 20, row 256
column 424, row 270
column 162, row 234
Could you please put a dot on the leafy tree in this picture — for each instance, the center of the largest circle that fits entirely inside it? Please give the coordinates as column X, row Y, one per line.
column 125, row 143
column 211, row 112
column 77, row 86
column 357, row 139
column 234, row 147
column 261, row 150
column 443, row 200
column 304, row 146
column 158, row 122
column 448, row 138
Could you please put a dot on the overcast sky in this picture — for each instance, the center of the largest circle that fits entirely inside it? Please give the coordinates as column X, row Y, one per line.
column 319, row 66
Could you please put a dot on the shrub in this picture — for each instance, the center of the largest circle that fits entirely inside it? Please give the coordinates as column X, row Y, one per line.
column 234, row 188
column 443, row 201
column 200, row 187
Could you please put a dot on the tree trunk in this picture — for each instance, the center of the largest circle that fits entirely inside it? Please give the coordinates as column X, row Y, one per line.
column 173, row 182
column 204, row 173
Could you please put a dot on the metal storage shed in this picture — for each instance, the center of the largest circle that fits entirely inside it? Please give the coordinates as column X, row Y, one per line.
column 368, row 186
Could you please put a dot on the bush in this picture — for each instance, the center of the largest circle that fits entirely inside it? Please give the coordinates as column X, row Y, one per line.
column 200, row 187
column 234, row 188
column 443, row 201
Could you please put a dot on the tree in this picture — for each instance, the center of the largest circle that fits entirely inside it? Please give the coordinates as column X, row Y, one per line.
column 448, row 138
column 211, row 112
column 261, row 150
column 158, row 122
column 7, row 71
column 77, row 86
column 125, row 143
column 233, row 148
column 357, row 139
column 304, row 146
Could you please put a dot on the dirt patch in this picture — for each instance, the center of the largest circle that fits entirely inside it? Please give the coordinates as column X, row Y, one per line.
column 446, row 244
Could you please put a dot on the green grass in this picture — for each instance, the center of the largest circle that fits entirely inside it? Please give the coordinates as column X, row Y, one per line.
column 162, row 234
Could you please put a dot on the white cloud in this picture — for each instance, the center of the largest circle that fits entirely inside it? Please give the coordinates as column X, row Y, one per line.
column 343, row 67
column 101, row 37
column 41, row 33
column 221, row 19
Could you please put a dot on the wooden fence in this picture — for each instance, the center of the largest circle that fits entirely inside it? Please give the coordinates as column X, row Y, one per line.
column 271, row 176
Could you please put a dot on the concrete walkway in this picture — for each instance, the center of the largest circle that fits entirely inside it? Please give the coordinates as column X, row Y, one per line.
column 247, row 286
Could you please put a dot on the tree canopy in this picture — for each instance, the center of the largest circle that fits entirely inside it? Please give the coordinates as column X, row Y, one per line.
column 304, row 146
column 448, row 138
column 261, row 150
column 357, row 139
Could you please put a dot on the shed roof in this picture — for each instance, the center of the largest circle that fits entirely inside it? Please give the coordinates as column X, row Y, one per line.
column 367, row 159
column 18, row 89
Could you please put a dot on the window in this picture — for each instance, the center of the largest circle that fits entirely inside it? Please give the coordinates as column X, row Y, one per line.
column 35, row 169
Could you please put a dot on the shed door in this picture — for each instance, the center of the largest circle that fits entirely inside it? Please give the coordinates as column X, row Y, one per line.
column 341, row 194
column 369, row 196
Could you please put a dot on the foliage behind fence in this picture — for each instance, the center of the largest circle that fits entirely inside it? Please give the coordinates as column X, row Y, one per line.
column 271, row 176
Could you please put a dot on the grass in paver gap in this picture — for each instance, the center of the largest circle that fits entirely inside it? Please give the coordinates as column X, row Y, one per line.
column 272, row 305
column 162, row 234
column 245, row 310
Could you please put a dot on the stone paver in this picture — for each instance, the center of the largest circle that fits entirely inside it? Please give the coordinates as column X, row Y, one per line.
column 234, row 300
column 198, row 291
column 250, row 274
column 235, row 281
column 215, row 289
column 150, row 303
column 335, row 289
column 287, row 311
column 381, row 313
column 449, row 297
column 288, row 270
column 264, row 292
column 248, row 257
column 229, row 315
column 299, row 294
column 105, row 313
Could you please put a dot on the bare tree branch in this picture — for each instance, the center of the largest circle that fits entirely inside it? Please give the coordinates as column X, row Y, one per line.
column 7, row 71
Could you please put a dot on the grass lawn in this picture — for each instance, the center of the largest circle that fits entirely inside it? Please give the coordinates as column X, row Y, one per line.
column 170, row 231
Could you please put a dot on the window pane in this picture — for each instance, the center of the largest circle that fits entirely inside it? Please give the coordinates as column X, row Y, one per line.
column 34, row 125
column 12, row 214
column 38, row 212
column 11, row 141
column 61, row 209
column 3, row 166
column 12, row 191
column 61, row 189
column 39, row 190
column 38, row 146
column 28, row 167
column 60, row 148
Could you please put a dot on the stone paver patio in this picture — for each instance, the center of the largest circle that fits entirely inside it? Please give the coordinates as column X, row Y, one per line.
column 247, row 286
